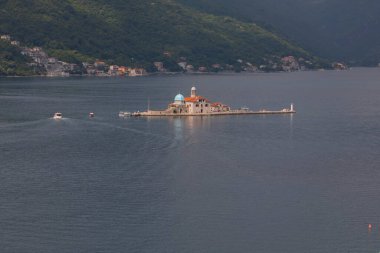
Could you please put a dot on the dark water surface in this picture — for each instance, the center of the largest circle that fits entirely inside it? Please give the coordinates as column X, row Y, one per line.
column 303, row 183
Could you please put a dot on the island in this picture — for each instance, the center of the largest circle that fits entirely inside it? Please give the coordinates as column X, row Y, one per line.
column 196, row 105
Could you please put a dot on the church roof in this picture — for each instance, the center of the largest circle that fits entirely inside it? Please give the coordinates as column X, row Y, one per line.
column 179, row 97
column 196, row 99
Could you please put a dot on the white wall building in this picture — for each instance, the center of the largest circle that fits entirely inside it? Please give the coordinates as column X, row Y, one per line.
column 197, row 104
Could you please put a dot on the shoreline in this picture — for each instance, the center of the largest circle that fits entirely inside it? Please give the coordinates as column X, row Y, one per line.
column 185, row 73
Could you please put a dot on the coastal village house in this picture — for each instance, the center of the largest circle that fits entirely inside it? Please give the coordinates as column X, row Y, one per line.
column 137, row 72
column 5, row 37
column 15, row 43
column 159, row 66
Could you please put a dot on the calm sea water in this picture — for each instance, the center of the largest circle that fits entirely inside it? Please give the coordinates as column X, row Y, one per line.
column 280, row 183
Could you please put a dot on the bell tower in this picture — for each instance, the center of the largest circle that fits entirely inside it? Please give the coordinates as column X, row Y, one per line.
column 193, row 92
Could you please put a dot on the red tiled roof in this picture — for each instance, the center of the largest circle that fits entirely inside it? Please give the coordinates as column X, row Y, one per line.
column 196, row 99
column 216, row 104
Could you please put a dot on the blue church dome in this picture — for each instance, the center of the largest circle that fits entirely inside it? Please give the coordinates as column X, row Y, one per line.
column 179, row 98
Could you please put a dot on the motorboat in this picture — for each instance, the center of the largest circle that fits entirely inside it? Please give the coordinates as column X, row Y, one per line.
column 124, row 114
column 57, row 115
column 91, row 114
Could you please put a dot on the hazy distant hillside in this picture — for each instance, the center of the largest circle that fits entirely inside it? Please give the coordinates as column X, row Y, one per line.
column 345, row 29
column 138, row 32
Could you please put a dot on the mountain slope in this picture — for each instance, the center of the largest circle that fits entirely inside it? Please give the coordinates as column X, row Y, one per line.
column 138, row 32
column 12, row 62
column 336, row 29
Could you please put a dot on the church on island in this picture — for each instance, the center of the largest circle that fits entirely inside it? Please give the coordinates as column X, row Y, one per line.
column 196, row 105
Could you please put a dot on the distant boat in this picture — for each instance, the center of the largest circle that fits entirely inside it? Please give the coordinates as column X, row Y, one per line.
column 136, row 114
column 124, row 114
column 57, row 115
column 91, row 114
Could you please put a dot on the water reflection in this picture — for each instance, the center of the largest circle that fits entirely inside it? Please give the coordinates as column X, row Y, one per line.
column 188, row 126
column 178, row 129
column 184, row 128
column 291, row 126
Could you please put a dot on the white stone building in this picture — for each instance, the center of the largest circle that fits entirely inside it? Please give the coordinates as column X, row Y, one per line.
column 197, row 104
column 5, row 37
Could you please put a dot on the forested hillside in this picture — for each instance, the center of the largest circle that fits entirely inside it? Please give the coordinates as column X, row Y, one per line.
column 335, row 29
column 12, row 62
column 140, row 32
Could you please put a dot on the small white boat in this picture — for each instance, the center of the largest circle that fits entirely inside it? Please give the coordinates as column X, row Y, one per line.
column 124, row 114
column 57, row 115
column 91, row 114
column 136, row 114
